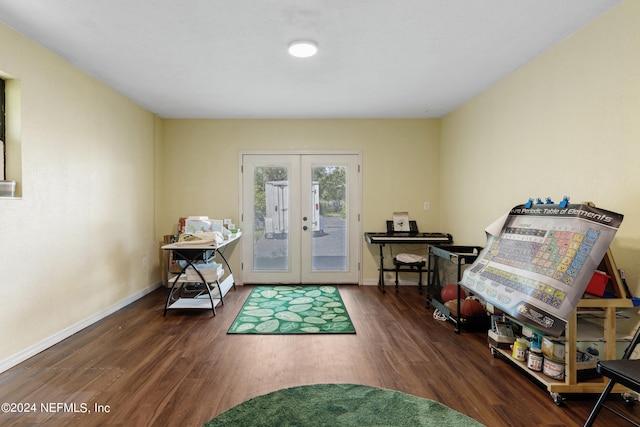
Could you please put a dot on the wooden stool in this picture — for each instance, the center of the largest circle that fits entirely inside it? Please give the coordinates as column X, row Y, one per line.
column 407, row 260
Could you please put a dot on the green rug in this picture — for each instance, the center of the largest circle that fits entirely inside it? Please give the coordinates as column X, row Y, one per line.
column 340, row 405
column 293, row 310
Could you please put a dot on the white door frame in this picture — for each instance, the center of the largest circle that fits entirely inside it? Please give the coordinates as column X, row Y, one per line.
column 357, row 203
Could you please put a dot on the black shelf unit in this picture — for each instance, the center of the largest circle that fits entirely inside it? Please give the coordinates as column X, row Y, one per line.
column 457, row 255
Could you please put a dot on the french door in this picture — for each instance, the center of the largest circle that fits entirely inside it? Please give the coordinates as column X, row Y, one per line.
column 300, row 218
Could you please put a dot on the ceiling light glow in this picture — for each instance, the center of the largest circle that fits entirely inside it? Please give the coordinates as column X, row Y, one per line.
column 303, row 49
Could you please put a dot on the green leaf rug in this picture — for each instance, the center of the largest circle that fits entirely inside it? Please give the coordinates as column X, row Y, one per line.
column 338, row 405
column 293, row 310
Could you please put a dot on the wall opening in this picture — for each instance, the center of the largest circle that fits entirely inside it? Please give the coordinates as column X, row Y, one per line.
column 10, row 132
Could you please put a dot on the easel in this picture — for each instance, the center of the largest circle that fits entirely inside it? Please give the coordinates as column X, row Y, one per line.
column 608, row 307
column 608, row 265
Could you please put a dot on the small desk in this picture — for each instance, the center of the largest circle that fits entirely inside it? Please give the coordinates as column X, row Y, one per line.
column 404, row 238
column 206, row 294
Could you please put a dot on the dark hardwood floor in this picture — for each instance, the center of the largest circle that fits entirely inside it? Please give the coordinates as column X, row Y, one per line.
column 138, row 368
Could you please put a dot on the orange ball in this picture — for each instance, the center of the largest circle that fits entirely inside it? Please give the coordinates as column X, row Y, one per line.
column 448, row 292
column 471, row 308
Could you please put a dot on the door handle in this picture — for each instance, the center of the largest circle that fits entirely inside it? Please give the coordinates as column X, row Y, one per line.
column 304, row 218
column 305, row 228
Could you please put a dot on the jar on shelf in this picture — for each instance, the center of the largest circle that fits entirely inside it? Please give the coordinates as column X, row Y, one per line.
column 534, row 360
column 520, row 349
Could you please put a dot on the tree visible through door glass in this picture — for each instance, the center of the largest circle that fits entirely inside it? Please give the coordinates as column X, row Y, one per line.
column 329, row 218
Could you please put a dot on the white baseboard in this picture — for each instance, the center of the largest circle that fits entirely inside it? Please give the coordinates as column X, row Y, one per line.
column 374, row 282
column 25, row 354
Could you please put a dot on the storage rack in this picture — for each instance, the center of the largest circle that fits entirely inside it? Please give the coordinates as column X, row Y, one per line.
column 571, row 382
column 457, row 255
column 203, row 293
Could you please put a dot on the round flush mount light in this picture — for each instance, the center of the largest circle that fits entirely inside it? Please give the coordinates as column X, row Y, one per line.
column 303, row 49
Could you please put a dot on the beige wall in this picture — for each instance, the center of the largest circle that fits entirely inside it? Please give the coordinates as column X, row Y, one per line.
column 564, row 124
column 103, row 179
column 72, row 245
column 200, row 167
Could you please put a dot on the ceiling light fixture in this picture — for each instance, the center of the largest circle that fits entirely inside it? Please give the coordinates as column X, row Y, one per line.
column 303, row 49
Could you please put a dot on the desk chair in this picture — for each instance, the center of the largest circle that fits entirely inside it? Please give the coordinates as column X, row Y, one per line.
column 623, row 371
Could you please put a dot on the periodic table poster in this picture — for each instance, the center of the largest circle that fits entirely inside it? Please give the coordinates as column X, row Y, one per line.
column 539, row 260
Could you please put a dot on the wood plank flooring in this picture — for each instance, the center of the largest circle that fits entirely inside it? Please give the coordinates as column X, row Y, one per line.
column 138, row 368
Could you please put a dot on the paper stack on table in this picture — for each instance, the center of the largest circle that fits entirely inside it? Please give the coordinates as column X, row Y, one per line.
column 210, row 272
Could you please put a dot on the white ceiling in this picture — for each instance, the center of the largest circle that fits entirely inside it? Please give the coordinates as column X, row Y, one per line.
column 228, row 59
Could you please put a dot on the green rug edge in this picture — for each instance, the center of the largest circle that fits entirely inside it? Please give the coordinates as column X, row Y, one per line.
column 341, row 405
column 344, row 327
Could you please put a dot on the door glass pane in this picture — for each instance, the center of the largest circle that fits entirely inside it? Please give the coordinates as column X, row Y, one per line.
column 271, row 218
column 329, row 218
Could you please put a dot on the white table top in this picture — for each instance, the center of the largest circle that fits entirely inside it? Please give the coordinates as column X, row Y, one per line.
column 206, row 245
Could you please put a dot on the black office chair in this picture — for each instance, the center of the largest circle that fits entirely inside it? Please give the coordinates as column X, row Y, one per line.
column 623, row 371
